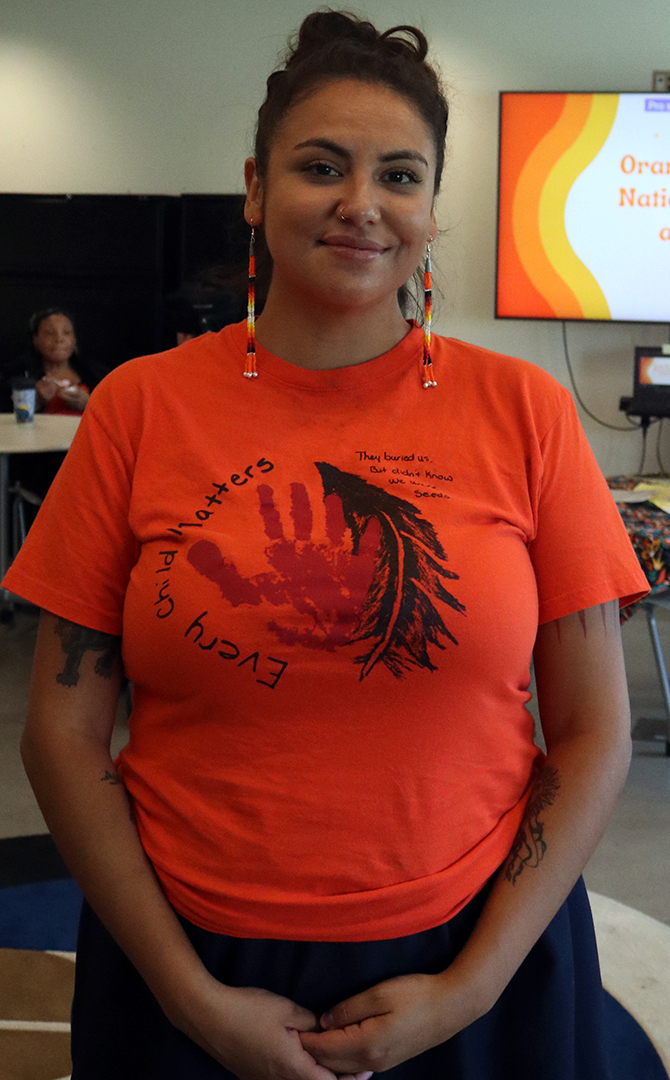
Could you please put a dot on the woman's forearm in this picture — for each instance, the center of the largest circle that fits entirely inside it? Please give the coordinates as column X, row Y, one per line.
column 66, row 751
column 573, row 797
column 89, row 814
column 583, row 700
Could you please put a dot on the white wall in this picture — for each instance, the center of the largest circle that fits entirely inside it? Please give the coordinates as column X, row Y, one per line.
column 159, row 96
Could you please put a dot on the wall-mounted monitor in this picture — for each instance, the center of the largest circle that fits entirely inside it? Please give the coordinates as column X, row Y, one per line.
column 584, row 207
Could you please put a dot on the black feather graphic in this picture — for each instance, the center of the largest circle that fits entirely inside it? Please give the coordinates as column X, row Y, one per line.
column 399, row 616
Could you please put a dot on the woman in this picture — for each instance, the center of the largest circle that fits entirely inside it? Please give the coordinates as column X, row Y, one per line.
column 64, row 380
column 332, row 846
column 61, row 388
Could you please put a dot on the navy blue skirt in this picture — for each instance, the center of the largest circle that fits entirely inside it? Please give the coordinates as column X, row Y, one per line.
column 547, row 1025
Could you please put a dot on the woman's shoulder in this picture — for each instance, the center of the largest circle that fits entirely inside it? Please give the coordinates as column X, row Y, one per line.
column 487, row 371
column 195, row 366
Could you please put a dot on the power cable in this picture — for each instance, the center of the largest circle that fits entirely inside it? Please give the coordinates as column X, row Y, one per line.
column 659, row 459
column 645, row 429
column 603, row 423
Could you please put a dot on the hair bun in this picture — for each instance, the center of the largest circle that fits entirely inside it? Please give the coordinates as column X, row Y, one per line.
column 333, row 28
column 418, row 46
column 326, row 27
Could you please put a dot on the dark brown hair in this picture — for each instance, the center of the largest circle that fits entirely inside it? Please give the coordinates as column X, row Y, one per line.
column 338, row 45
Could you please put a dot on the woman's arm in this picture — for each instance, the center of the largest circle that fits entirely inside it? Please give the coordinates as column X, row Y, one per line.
column 583, row 701
column 65, row 748
column 46, row 390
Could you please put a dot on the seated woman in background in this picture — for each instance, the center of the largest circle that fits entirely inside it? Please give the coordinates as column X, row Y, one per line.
column 64, row 382
column 61, row 389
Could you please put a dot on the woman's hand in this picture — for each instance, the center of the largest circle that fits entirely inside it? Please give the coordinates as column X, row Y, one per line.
column 254, row 1033
column 46, row 388
column 393, row 1022
column 74, row 396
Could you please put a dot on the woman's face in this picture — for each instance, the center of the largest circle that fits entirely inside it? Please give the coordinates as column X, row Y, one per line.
column 347, row 201
column 55, row 340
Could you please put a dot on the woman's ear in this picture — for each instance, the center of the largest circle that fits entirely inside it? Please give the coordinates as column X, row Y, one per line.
column 253, row 207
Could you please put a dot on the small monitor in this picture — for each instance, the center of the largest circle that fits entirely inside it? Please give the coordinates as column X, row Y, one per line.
column 651, row 382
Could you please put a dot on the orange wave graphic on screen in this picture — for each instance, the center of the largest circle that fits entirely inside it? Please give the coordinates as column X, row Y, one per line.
column 557, row 187
column 540, row 275
column 525, row 119
column 526, row 208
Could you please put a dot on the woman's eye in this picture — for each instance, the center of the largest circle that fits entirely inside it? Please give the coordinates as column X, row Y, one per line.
column 322, row 168
column 402, row 176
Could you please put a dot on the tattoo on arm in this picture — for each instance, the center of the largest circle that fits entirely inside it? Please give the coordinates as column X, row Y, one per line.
column 529, row 845
column 114, row 779
column 76, row 640
column 581, row 615
column 111, row 777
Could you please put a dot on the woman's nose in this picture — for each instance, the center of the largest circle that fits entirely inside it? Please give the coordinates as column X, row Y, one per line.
column 359, row 204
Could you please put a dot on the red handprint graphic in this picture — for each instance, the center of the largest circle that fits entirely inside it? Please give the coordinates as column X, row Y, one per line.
column 377, row 580
column 326, row 582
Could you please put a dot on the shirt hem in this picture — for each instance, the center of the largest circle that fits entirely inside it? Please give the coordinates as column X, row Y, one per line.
column 376, row 915
column 49, row 599
column 590, row 595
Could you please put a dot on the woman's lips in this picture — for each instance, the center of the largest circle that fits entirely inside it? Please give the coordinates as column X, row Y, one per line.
column 349, row 247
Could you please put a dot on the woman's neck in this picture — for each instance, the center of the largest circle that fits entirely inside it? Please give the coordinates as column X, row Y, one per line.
column 331, row 338
column 56, row 367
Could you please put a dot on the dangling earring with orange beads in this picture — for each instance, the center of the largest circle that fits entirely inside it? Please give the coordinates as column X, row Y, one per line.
column 250, row 369
column 428, row 373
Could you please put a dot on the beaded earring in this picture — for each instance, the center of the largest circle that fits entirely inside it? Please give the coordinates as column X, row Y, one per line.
column 428, row 373
column 250, row 369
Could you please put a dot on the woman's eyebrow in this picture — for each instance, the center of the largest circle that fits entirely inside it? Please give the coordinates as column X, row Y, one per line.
column 341, row 151
column 408, row 155
column 323, row 144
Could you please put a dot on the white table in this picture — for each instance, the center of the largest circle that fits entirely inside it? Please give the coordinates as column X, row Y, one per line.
column 44, row 434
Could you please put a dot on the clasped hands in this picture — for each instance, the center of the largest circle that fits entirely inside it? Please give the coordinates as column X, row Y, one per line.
column 259, row 1035
column 392, row 1022
column 72, row 394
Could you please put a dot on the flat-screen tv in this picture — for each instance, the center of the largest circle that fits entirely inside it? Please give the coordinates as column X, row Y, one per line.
column 584, row 207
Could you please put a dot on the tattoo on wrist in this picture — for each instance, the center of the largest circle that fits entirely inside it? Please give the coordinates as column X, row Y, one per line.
column 529, row 846
column 77, row 640
column 111, row 777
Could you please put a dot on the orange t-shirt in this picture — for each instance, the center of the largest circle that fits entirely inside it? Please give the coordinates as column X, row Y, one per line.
column 329, row 585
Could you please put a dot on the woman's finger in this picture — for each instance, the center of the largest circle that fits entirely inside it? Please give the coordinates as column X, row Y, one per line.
column 353, row 1011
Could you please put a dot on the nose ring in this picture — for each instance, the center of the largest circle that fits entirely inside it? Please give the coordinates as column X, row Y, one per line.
column 359, row 216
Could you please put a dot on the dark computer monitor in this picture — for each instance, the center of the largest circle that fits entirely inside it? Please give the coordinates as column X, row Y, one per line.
column 651, row 382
